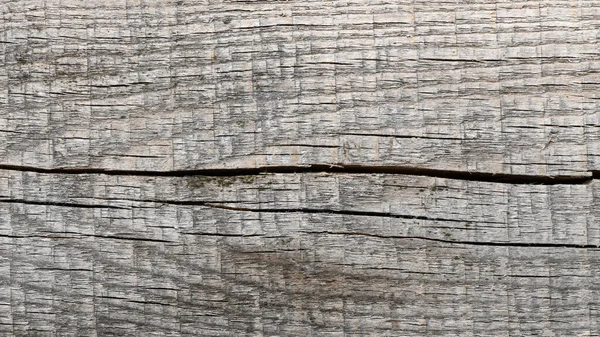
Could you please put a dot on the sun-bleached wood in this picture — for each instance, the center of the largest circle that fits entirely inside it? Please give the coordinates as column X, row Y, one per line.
column 490, row 86
column 148, row 89
column 296, row 254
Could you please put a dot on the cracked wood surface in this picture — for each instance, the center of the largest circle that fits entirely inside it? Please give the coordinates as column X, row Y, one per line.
column 299, row 168
column 498, row 87
column 319, row 254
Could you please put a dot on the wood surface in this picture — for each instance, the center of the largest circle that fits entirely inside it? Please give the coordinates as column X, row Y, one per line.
column 299, row 168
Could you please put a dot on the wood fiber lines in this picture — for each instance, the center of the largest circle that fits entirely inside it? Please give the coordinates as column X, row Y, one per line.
column 299, row 168
column 493, row 87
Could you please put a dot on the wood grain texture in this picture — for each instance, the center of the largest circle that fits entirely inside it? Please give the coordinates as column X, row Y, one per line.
column 296, row 254
column 490, row 86
column 159, row 168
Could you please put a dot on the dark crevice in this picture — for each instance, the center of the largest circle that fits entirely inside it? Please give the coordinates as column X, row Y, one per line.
column 397, row 136
column 255, row 210
column 584, row 178
column 535, row 276
column 132, row 155
column 403, row 270
column 310, row 145
column 338, row 212
column 111, row 297
column 153, row 303
column 60, row 204
column 306, row 210
column 462, row 242
column 222, row 234
column 452, row 60
column 17, row 236
column 66, row 269
column 80, row 236
column 129, row 238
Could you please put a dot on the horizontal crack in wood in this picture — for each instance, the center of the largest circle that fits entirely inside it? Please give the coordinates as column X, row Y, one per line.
column 338, row 212
column 301, row 210
column 463, row 242
column 397, row 136
column 222, row 234
column 584, row 178
column 59, row 204
column 80, row 236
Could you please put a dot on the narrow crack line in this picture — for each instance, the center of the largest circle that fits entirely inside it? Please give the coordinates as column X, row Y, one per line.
column 254, row 210
column 222, row 234
column 453, row 60
column 583, row 178
column 274, row 210
column 12, row 236
column 152, row 303
column 326, row 211
column 59, row 204
column 80, row 236
column 65, row 269
column 470, row 243
column 339, row 212
column 129, row 238
column 397, row 136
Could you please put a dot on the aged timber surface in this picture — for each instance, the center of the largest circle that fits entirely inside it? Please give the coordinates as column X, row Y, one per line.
column 500, row 87
column 299, row 168
column 296, row 254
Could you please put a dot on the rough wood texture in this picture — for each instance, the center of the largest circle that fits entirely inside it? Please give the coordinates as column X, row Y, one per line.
column 159, row 168
column 504, row 87
column 296, row 254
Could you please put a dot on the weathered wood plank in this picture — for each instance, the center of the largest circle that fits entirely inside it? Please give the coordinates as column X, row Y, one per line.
column 444, row 88
column 296, row 254
column 503, row 87
column 419, row 206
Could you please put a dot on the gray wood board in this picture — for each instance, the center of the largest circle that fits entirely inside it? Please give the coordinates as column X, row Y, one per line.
column 296, row 255
column 488, row 86
column 157, row 94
